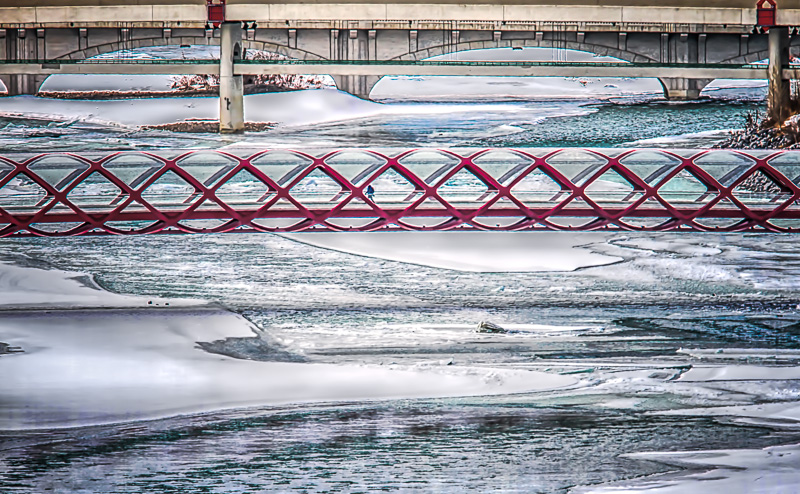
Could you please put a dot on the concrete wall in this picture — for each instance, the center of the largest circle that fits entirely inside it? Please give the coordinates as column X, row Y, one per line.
column 629, row 15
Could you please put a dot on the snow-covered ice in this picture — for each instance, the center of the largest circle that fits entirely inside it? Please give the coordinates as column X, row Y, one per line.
column 471, row 251
column 83, row 363
column 774, row 470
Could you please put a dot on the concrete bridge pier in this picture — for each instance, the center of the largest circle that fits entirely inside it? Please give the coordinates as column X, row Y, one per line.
column 682, row 89
column 778, row 97
column 231, row 87
column 17, row 84
column 357, row 85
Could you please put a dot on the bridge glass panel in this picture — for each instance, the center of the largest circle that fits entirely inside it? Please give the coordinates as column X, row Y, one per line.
column 58, row 170
column 133, row 168
column 207, row 167
column 356, row 166
column 95, row 192
column 281, row 166
column 429, row 165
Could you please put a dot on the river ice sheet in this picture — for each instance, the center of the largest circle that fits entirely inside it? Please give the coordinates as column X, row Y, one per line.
column 680, row 323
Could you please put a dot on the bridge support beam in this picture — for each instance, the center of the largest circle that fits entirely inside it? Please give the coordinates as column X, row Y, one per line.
column 17, row 84
column 231, row 87
column 683, row 89
column 357, row 85
column 778, row 94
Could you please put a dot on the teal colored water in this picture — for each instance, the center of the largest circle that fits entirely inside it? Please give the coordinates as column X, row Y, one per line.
column 633, row 121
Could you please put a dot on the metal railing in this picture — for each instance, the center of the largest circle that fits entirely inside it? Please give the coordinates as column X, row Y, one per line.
column 409, row 63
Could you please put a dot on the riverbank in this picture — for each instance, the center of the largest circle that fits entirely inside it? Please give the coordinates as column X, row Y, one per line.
column 211, row 91
column 760, row 134
column 331, row 118
column 205, row 126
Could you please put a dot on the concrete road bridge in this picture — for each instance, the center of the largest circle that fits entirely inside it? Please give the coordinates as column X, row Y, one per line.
column 673, row 32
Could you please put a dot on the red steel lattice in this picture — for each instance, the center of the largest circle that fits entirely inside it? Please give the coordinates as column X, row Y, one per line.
column 277, row 190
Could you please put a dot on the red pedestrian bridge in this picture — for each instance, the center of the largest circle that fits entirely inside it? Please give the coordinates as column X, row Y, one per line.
column 283, row 190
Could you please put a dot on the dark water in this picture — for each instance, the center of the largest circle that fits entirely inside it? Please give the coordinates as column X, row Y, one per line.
column 452, row 446
column 610, row 125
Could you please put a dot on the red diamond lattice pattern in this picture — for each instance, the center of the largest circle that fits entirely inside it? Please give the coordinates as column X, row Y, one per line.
column 151, row 204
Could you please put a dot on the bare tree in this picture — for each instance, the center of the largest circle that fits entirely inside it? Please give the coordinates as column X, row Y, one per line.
column 266, row 82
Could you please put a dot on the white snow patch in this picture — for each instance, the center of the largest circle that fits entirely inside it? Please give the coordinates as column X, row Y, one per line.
column 740, row 373
column 289, row 108
column 28, row 287
column 90, row 367
column 774, row 470
column 471, row 251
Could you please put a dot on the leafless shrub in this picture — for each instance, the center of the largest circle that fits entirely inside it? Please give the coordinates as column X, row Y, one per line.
column 267, row 82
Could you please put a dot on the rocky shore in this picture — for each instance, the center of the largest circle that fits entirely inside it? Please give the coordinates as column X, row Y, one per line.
column 169, row 93
column 198, row 126
column 109, row 95
column 757, row 134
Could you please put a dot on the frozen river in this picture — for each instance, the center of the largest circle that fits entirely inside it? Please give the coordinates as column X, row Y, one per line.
column 352, row 362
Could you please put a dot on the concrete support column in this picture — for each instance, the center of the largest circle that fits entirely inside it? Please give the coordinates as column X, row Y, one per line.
column 18, row 84
column 701, row 48
column 231, row 87
column 778, row 94
column 355, row 44
column 357, row 85
column 682, row 89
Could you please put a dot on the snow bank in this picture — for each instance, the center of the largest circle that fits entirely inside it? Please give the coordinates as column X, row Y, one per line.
column 97, row 357
column 290, row 108
column 740, row 373
column 36, row 288
column 89, row 82
column 774, row 470
column 471, row 251
column 88, row 367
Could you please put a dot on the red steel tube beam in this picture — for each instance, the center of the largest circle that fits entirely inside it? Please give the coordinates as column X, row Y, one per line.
column 280, row 190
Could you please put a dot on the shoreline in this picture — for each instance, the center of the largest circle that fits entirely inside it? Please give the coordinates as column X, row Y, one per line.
column 203, row 126
column 112, row 94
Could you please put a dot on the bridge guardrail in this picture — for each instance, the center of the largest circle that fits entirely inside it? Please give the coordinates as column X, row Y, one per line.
column 431, row 63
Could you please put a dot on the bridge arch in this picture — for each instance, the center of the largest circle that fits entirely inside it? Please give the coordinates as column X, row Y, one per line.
column 369, row 82
column 448, row 49
column 32, row 84
column 674, row 88
column 760, row 52
column 105, row 48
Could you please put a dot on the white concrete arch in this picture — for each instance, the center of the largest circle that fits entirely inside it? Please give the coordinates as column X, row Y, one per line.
column 447, row 49
column 154, row 42
column 103, row 49
column 369, row 82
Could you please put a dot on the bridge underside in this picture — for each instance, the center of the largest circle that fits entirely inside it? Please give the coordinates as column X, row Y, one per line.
column 627, row 14
column 376, row 44
column 129, row 193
